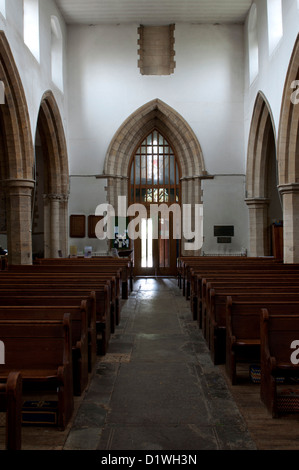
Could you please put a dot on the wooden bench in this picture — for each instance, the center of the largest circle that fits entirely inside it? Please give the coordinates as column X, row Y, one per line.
column 64, row 299
column 243, row 330
column 215, row 317
column 105, row 292
column 278, row 329
column 79, row 333
column 125, row 263
column 11, row 404
column 98, row 264
column 213, row 267
column 233, row 277
column 200, row 264
column 41, row 351
column 94, row 281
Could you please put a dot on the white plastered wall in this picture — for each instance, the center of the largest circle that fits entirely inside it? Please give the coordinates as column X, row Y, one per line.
column 207, row 89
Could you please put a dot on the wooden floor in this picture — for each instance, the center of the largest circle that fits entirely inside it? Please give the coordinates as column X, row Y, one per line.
column 268, row 433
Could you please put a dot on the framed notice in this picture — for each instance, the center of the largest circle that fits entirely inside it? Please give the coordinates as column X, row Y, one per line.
column 77, row 226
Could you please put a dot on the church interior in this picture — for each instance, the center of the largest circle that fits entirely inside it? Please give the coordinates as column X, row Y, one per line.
column 149, row 236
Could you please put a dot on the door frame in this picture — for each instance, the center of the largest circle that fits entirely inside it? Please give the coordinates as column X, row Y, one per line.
column 156, row 269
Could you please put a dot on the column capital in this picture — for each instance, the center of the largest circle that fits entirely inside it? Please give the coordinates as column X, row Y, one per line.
column 19, row 182
column 56, row 197
column 257, row 201
column 18, row 187
column 288, row 188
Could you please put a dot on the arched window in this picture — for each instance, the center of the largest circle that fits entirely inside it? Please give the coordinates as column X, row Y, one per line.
column 31, row 26
column 253, row 49
column 275, row 28
column 155, row 176
column 56, row 53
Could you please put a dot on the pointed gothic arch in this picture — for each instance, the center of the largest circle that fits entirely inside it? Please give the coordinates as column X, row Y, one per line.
column 17, row 160
column 55, row 174
column 288, row 157
column 261, row 178
column 155, row 115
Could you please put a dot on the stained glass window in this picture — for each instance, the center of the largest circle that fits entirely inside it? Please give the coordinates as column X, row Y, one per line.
column 155, row 176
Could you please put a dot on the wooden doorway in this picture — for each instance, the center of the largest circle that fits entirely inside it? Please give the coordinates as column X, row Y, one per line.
column 155, row 181
column 156, row 256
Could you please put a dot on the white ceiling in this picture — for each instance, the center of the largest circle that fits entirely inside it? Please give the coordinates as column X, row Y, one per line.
column 153, row 12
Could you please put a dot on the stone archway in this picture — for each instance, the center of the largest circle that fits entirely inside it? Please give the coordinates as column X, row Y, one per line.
column 261, row 184
column 288, row 157
column 155, row 115
column 55, row 185
column 17, row 161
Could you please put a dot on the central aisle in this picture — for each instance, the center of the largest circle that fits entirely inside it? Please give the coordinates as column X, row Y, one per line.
column 157, row 388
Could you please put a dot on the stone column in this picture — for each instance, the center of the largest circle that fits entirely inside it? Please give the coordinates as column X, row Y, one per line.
column 19, row 220
column 55, row 225
column 258, row 226
column 64, row 225
column 55, row 200
column 290, row 198
column 47, row 227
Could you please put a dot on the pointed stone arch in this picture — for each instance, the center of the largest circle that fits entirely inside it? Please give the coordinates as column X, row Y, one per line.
column 288, row 157
column 155, row 115
column 17, row 159
column 56, row 176
column 261, row 157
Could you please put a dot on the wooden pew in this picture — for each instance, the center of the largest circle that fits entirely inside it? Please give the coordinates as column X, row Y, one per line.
column 11, row 404
column 79, row 334
column 105, row 292
column 233, row 277
column 202, row 265
column 243, row 330
column 190, row 264
column 277, row 330
column 214, row 266
column 215, row 316
column 99, row 330
column 101, row 264
column 41, row 351
column 49, row 298
column 94, row 281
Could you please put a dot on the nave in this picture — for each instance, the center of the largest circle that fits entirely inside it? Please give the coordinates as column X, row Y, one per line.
column 157, row 389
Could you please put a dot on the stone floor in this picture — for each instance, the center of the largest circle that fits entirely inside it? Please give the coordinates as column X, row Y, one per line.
column 157, row 389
